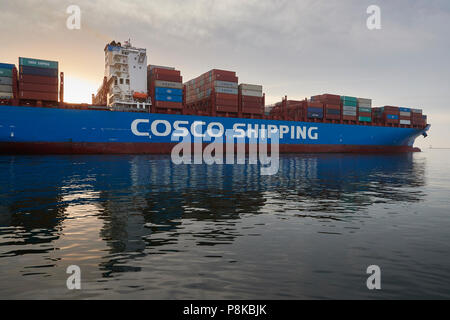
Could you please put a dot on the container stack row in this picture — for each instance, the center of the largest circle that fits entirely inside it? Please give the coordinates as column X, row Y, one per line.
column 400, row 115
column 251, row 100
column 213, row 93
column 165, row 87
column 38, row 80
column 349, row 108
column 331, row 104
column 364, row 110
column 8, row 73
column 417, row 117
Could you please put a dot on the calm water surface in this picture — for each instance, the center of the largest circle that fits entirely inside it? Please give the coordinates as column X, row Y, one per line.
column 141, row 227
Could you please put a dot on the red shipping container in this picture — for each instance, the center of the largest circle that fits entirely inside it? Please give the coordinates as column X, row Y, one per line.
column 165, row 71
column 226, row 78
column 223, row 102
column 168, row 104
column 333, row 116
column 226, row 109
column 32, row 95
column 227, row 96
column 252, row 111
column 405, row 118
column 391, row 109
column 344, row 117
column 315, row 105
column 333, row 106
column 166, row 77
column 331, row 97
column 27, row 78
column 365, row 114
column 50, row 88
column 328, row 98
column 252, row 99
column 219, row 72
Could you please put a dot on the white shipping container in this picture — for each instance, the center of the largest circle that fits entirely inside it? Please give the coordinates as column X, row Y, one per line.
column 5, row 88
column 168, row 84
column 252, row 87
column 226, row 84
column 365, row 105
column 365, row 101
column 6, row 95
column 407, row 122
column 349, row 113
column 251, row 93
column 151, row 67
column 5, row 80
column 416, row 110
column 405, row 114
column 349, row 108
column 226, row 90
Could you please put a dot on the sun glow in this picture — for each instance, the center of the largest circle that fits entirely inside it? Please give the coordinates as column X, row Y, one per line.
column 77, row 90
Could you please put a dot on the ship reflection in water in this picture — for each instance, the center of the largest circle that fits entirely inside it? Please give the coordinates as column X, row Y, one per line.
column 142, row 227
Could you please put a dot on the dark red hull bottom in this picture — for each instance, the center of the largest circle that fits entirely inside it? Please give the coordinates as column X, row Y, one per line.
column 166, row 148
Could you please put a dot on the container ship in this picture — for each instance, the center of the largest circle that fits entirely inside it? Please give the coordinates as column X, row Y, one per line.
column 139, row 107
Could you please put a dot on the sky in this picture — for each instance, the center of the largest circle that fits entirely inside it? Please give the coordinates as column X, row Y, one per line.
column 294, row 48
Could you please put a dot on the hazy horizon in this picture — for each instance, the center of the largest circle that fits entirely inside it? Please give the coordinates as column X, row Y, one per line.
column 293, row 48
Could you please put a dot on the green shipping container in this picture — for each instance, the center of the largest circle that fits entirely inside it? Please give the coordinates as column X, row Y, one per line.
column 365, row 119
column 350, row 103
column 5, row 73
column 38, row 63
column 364, row 109
column 351, row 99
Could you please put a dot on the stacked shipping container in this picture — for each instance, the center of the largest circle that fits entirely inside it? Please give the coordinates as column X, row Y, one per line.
column 331, row 104
column 349, row 108
column 251, row 100
column 8, row 73
column 38, row 79
column 417, row 117
column 364, row 110
column 214, row 92
column 405, row 116
column 165, row 87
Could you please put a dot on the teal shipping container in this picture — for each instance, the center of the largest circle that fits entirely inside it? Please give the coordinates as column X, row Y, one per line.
column 349, row 99
column 38, row 63
column 365, row 119
column 6, row 73
column 365, row 109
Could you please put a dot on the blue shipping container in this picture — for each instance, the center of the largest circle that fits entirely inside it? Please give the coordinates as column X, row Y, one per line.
column 317, row 110
column 168, row 91
column 35, row 71
column 164, row 97
column 316, row 115
column 392, row 116
column 333, row 111
column 6, row 66
column 404, row 109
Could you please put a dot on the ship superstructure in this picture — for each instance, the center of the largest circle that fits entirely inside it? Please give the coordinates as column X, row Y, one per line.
column 126, row 74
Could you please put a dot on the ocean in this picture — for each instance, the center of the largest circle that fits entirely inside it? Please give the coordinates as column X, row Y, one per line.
column 141, row 227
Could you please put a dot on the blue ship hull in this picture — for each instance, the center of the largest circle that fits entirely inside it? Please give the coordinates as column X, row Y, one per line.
column 35, row 130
